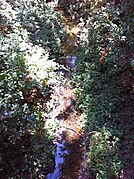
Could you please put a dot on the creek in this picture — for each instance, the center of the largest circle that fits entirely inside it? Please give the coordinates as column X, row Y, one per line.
column 69, row 152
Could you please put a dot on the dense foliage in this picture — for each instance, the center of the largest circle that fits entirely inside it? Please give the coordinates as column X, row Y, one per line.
column 104, row 83
column 29, row 41
column 31, row 32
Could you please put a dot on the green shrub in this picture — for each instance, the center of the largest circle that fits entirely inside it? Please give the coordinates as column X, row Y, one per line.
column 26, row 78
column 102, row 155
column 98, row 88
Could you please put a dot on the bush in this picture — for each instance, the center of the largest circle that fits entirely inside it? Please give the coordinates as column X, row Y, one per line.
column 105, row 38
column 28, row 73
column 103, row 159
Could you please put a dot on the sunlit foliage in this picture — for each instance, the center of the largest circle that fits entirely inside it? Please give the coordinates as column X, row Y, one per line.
column 30, row 37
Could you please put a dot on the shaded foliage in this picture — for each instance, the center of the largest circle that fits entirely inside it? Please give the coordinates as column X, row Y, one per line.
column 105, row 63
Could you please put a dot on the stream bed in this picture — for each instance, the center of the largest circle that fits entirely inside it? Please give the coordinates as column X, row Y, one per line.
column 70, row 151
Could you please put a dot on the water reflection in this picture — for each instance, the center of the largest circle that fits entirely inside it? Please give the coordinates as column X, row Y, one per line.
column 60, row 153
column 71, row 63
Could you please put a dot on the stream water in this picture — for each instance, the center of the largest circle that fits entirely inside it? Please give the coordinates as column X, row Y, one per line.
column 61, row 151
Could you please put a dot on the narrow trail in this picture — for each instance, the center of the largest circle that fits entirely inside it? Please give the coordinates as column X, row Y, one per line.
column 69, row 157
